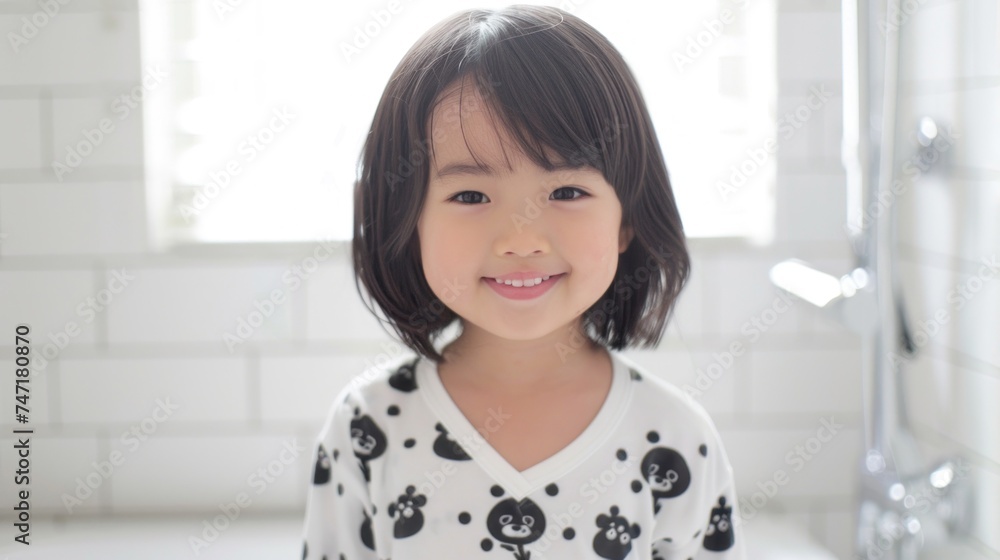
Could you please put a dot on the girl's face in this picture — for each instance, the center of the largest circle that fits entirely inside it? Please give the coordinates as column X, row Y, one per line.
column 476, row 226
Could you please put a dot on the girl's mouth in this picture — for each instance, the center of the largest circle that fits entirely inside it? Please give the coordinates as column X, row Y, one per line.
column 524, row 292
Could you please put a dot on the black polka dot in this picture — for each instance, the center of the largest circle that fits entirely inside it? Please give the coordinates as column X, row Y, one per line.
column 636, row 486
column 340, row 489
column 464, row 518
column 393, row 410
column 486, row 544
column 621, row 455
column 569, row 533
column 551, row 489
column 374, row 509
column 703, row 449
column 409, row 443
column 653, row 437
column 496, row 491
column 336, row 454
column 696, row 533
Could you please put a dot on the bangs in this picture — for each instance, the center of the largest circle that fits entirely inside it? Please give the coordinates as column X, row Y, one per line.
column 545, row 86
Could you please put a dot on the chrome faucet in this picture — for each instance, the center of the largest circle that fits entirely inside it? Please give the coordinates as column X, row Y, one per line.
column 904, row 505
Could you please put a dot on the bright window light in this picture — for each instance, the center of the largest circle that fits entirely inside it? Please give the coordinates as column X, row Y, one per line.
column 270, row 102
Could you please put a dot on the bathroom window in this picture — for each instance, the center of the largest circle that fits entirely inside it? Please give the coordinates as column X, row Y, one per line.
column 258, row 135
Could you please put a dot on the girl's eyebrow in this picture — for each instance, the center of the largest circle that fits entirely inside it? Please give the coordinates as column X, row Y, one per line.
column 466, row 168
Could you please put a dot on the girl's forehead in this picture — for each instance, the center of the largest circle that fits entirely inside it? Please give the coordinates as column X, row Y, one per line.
column 461, row 125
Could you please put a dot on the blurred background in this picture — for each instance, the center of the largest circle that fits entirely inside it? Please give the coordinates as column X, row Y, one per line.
column 175, row 208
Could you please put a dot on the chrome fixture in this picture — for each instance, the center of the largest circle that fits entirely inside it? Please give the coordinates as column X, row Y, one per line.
column 904, row 505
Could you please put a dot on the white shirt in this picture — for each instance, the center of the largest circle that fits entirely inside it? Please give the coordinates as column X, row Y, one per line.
column 400, row 473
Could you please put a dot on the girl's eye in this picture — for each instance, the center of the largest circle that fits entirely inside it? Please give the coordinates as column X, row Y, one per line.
column 475, row 195
column 467, row 201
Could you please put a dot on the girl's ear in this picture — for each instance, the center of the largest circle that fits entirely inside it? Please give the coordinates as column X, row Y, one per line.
column 625, row 237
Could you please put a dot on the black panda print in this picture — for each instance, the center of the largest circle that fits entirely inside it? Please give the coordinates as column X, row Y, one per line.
column 719, row 535
column 367, row 440
column 406, row 511
column 515, row 524
column 667, row 474
column 614, row 535
column 321, row 473
column 367, row 538
column 404, row 379
column 446, row 447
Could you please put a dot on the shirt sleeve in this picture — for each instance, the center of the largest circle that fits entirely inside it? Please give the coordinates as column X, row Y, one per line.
column 338, row 504
column 704, row 523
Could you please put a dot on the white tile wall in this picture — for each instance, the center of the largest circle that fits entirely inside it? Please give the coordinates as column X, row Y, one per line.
column 191, row 474
column 227, row 304
column 176, row 390
column 23, row 148
column 335, row 310
column 53, row 303
column 808, row 48
column 57, row 219
column 947, row 225
column 56, row 465
column 302, row 388
column 162, row 335
column 806, row 381
column 72, row 47
column 100, row 130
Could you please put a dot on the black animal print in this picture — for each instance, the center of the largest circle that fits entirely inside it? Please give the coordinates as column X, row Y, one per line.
column 667, row 474
column 719, row 535
column 516, row 524
column 367, row 440
column 321, row 473
column 446, row 447
column 409, row 519
column 614, row 536
column 404, row 379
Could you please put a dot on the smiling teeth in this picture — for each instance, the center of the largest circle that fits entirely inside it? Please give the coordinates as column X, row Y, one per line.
column 523, row 283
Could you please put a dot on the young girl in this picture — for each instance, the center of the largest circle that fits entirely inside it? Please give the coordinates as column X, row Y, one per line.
column 512, row 181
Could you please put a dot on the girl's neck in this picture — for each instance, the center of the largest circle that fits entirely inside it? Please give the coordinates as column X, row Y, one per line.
column 478, row 358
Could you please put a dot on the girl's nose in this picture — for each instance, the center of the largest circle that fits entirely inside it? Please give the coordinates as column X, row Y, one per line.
column 522, row 237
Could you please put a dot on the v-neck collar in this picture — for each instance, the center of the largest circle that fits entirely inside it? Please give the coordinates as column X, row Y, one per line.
column 519, row 483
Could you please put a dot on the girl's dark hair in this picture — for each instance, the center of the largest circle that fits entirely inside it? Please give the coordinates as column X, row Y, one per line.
column 557, row 85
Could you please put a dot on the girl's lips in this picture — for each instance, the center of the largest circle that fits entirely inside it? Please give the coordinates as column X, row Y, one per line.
column 510, row 292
